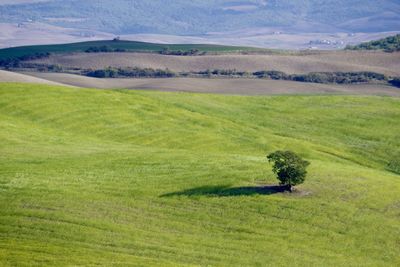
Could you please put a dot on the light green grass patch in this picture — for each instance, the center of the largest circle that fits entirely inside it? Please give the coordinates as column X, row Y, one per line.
column 118, row 177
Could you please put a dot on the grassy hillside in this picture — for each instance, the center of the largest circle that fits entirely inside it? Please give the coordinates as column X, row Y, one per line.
column 131, row 46
column 118, row 177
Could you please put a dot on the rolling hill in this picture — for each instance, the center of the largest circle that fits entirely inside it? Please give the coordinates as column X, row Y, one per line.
column 127, row 46
column 250, row 87
column 164, row 56
column 302, row 62
column 199, row 16
column 388, row 44
column 118, row 177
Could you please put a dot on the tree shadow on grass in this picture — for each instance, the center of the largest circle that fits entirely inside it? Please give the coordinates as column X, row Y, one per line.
column 228, row 191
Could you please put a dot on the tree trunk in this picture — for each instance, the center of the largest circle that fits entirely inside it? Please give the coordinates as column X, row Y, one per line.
column 289, row 188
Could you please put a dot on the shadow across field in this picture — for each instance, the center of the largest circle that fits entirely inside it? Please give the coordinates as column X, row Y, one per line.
column 227, row 191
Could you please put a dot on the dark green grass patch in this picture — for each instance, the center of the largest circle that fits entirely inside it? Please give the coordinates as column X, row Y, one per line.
column 120, row 45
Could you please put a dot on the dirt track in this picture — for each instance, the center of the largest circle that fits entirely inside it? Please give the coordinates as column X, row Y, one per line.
column 218, row 86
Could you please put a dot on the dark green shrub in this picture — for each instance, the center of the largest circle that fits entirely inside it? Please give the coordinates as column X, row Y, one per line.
column 55, row 68
column 395, row 81
column 131, row 72
column 106, row 73
column 272, row 74
column 394, row 165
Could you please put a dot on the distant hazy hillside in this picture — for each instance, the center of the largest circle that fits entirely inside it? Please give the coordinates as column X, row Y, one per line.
column 202, row 16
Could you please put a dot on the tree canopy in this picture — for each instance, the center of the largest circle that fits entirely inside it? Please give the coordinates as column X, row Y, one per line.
column 388, row 44
column 290, row 168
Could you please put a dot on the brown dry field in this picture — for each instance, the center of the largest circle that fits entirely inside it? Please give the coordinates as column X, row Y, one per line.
column 218, row 86
column 329, row 61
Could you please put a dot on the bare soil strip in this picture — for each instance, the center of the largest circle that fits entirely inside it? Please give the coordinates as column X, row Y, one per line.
column 8, row 76
column 201, row 85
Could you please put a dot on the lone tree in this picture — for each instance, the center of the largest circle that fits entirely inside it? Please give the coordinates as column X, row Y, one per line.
column 289, row 167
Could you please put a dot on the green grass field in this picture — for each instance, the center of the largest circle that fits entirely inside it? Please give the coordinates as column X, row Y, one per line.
column 129, row 46
column 135, row 178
